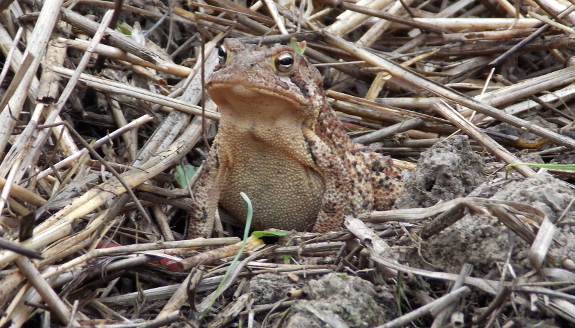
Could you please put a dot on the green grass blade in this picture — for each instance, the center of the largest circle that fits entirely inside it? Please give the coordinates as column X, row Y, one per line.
column 246, row 235
column 567, row 167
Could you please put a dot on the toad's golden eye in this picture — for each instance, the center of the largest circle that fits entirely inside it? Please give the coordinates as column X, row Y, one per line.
column 285, row 62
column 222, row 54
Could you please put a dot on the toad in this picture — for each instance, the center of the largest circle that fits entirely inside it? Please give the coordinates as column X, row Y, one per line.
column 280, row 142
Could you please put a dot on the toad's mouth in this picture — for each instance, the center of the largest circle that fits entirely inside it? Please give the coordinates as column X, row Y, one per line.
column 255, row 105
column 229, row 91
column 239, row 90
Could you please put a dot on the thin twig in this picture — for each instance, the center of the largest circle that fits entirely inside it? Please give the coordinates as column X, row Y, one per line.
column 17, row 248
column 106, row 165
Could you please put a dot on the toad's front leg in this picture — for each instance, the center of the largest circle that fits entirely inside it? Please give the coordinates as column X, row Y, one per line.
column 340, row 196
column 206, row 198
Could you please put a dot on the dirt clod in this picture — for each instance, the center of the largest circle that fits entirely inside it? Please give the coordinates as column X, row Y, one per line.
column 269, row 288
column 484, row 242
column 448, row 170
column 542, row 191
column 334, row 297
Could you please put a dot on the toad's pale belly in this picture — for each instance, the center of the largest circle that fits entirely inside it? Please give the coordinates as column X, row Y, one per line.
column 284, row 193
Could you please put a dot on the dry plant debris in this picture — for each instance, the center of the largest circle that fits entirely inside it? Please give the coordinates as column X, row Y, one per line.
column 95, row 122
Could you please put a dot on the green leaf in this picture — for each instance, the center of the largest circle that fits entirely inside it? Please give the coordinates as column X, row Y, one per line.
column 260, row 234
column 298, row 47
column 184, row 174
column 123, row 29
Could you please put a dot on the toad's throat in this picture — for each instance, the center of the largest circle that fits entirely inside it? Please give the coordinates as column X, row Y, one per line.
column 243, row 106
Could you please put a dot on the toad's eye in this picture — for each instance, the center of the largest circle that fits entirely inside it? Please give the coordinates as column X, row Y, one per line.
column 222, row 54
column 285, row 62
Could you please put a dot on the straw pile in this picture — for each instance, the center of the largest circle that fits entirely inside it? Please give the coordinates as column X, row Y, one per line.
column 84, row 105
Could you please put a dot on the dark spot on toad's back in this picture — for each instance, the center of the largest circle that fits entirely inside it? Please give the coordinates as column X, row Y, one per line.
column 301, row 85
column 283, row 85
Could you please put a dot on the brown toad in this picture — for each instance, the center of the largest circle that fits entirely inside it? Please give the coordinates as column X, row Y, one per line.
column 281, row 143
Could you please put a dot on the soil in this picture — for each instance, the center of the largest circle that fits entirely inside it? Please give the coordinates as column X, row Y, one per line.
column 336, row 297
column 269, row 288
column 486, row 242
column 448, row 170
column 483, row 242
